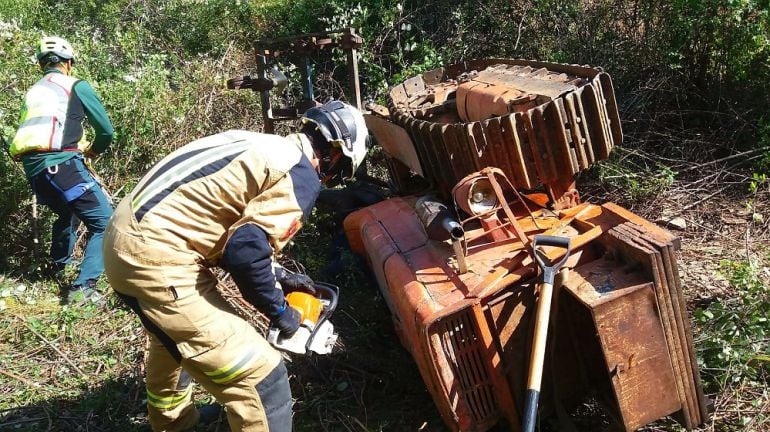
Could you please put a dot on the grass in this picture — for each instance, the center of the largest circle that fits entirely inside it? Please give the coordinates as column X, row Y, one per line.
column 66, row 367
column 81, row 368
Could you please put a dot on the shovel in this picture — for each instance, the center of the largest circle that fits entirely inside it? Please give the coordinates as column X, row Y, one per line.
column 542, row 315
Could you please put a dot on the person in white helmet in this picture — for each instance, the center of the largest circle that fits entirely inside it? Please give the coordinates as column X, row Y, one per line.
column 50, row 143
column 231, row 200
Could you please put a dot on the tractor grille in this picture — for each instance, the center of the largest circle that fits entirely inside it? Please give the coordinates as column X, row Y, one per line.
column 463, row 353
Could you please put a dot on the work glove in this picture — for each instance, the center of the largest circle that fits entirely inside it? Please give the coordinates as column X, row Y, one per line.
column 287, row 321
column 291, row 281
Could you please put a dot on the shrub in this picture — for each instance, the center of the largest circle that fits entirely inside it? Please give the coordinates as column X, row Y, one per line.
column 734, row 331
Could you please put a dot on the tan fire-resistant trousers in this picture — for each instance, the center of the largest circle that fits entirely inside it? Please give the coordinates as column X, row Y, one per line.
column 221, row 351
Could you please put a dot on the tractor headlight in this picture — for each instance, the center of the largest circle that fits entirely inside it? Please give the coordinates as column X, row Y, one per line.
column 475, row 196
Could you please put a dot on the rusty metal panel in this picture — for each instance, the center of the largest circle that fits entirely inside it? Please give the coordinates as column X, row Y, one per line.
column 520, row 168
column 611, row 106
column 442, row 133
column 479, row 101
column 675, row 306
column 538, row 140
column 493, row 130
column 434, row 76
column 678, row 344
column 628, row 328
column 421, row 131
column 460, row 345
column 483, row 146
column 398, row 93
column 549, row 84
column 647, row 258
column 525, row 139
column 465, row 330
column 576, row 132
column 654, row 254
column 584, row 128
column 423, row 150
column 433, row 133
column 511, row 318
column 412, row 86
column 471, row 156
column 473, row 145
column 573, row 122
column 567, row 133
column 592, row 116
column 701, row 398
column 457, row 151
column 395, row 141
column 557, row 140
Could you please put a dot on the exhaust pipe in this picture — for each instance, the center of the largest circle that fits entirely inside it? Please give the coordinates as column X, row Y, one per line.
column 440, row 225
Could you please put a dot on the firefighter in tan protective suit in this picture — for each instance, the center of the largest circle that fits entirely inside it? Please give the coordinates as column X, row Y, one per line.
column 228, row 200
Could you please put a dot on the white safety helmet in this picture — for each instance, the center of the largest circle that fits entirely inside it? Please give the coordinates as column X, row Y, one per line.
column 343, row 126
column 54, row 49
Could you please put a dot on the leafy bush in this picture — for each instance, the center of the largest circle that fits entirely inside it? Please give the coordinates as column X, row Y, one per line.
column 159, row 67
column 734, row 331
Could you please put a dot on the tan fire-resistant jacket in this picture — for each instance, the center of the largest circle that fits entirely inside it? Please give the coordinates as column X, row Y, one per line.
column 198, row 196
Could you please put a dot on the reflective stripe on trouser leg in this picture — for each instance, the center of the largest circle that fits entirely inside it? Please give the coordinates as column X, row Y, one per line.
column 232, row 372
column 169, row 391
column 254, row 402
column 222, row 351
column 169, row 387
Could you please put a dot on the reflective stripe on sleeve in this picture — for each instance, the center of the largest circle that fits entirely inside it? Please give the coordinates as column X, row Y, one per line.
column 200, row 165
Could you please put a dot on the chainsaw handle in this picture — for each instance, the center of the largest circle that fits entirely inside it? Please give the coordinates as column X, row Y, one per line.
column 554, row 241
column 333, row 293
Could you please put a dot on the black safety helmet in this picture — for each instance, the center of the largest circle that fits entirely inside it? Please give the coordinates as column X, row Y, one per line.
column 342, row 126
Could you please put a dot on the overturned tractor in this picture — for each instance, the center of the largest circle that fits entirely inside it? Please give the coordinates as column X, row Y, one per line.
column 484, row 156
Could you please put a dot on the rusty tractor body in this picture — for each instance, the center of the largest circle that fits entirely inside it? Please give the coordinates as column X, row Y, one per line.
column 484, row 154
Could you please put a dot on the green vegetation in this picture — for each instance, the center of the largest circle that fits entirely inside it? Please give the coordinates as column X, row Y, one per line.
column 693, row 82
column 733, row 342
column 737, row 328
column 51, row 354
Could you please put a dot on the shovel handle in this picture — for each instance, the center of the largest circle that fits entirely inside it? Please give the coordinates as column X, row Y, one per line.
column 537, row 355
column 542, row 315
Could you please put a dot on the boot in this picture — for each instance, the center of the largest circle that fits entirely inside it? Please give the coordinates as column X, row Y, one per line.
column 81, row 294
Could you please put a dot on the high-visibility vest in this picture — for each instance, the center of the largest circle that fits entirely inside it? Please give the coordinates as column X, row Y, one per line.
column 44, row 115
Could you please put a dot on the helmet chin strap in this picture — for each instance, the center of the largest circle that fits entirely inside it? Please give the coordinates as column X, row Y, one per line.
column 329, row 160
column 330, row 166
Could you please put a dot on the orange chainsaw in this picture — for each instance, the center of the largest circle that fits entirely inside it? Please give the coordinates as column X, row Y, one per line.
column 316, row 332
